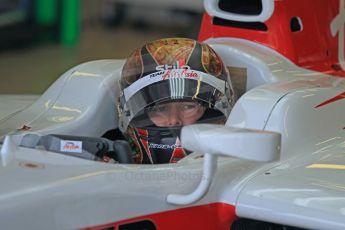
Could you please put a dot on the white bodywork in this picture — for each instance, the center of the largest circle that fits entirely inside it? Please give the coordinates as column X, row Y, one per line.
column 304, row 188
column 212, row 9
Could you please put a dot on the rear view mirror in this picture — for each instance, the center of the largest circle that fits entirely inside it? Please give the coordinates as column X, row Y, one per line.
column 219, row 140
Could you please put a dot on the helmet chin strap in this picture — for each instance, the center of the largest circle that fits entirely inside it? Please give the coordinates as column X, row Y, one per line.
column 165, row 131
column 163, row 144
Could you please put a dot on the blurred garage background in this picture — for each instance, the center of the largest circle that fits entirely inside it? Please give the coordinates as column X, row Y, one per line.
column 41, row 39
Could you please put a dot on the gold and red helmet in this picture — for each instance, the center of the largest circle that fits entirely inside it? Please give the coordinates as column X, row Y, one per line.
column 171, row 70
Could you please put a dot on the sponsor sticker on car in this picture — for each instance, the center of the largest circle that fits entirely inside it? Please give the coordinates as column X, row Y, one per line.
column 71, row 146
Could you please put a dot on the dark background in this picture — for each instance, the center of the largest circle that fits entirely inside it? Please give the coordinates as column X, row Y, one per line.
column 41, row 39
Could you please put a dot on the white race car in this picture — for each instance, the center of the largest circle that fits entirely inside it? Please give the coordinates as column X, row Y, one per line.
column 278, row 163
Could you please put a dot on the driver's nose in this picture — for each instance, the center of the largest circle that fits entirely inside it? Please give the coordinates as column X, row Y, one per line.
column 174, row 118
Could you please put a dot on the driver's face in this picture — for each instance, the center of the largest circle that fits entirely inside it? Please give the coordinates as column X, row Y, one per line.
column 175, row 113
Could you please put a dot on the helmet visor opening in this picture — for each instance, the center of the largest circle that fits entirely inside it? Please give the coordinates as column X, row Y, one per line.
column 141, row 98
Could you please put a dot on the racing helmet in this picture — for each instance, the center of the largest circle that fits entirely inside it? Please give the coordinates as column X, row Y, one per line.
column 166, row 84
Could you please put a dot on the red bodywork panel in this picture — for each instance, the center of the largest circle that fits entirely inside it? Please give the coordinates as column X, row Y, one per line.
column 204, row 217
column 313, row 47
column 334, row 99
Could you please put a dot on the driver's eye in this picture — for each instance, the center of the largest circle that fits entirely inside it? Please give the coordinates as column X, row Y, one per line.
column 189, row 106
column 158, row 108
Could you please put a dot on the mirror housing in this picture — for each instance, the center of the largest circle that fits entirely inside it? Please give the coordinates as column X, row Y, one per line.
column 219, row 140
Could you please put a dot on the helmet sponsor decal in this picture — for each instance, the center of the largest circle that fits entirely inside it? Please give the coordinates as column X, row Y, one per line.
column 180, row 74
column 177, row 65
column 173, row 74
column 164, row 146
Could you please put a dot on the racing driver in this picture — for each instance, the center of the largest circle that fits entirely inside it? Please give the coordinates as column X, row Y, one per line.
column 166, row 84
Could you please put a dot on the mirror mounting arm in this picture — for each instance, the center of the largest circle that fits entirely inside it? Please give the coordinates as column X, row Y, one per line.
column 210, row 166
column 219, row 140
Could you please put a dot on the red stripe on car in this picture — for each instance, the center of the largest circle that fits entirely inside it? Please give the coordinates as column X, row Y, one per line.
column 203, row 217
column 334, row 99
